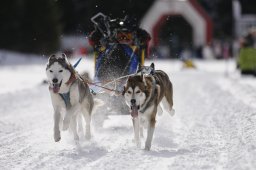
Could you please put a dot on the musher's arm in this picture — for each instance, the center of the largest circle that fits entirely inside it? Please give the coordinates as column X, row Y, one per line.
column 144, row 38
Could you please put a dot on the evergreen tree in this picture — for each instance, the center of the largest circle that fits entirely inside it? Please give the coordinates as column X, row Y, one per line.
column 40, row 25
column 29, row 26
column 11, row 12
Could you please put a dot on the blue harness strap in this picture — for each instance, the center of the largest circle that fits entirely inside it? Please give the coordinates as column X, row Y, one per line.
column 78, row 61
column 100, row 57
column 66, row 98
column 133, row 58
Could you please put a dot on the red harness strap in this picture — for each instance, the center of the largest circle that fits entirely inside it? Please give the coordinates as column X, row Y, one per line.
column 71, row 79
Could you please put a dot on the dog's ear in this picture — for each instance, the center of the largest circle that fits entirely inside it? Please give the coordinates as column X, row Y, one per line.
column 139, row 68
column 52, row 57
column 141, row 76
column 152, row 66
column 65, row 58
column 123, row 92
column 63, row 55
column 144, row 79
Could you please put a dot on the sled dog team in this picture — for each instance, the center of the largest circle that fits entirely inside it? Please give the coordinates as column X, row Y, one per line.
column 145, row 93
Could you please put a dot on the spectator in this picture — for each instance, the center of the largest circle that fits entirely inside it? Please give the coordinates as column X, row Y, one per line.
column 250, row 39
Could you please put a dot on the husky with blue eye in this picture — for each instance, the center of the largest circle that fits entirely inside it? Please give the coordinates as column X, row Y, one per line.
column 143, row 93
column 69, row 93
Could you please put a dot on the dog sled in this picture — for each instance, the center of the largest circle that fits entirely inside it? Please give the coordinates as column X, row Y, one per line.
column 119, row 46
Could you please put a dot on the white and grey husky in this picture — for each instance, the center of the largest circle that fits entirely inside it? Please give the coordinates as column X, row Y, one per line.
column 69, row 93
column 143, row 92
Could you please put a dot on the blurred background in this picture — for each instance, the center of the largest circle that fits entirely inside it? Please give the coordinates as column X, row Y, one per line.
column 179, row 28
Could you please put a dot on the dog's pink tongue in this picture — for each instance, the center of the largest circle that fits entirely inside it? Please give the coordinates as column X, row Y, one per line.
column 134, row 112
column 56, row 89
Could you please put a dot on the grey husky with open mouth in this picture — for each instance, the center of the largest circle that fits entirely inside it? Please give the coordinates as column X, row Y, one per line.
column 70, row 95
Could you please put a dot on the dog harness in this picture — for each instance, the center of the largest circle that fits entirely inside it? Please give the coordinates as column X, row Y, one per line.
column 66, row 96
column 151, row 97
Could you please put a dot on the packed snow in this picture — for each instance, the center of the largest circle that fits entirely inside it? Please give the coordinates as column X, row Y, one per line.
column 214, row 126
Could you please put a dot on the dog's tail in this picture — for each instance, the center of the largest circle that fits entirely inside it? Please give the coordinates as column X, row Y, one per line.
column 97, row 103
column 160, row 110
column 168, row 107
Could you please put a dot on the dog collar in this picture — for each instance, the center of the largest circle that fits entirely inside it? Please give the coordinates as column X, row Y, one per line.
column 71, row 79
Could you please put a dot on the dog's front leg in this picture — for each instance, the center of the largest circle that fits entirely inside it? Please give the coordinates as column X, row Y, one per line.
column 87, row 125
column 66, row 120
column 151, row 129
column 70, row 112
column 56, row 129
column 136, row 127
column 141, row 132
column 73, row 126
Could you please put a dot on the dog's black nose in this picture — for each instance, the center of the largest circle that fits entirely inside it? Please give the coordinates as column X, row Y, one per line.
column 55, row 80
column 133, row 101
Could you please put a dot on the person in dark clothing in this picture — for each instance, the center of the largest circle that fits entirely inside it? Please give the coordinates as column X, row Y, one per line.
column 123, row 31
column 119, row 46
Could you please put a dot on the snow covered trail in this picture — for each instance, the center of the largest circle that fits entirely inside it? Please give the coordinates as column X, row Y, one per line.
column 213, row 128
column 217, row 127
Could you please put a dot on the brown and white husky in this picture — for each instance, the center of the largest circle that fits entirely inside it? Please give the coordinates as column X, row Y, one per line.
column 143, row 93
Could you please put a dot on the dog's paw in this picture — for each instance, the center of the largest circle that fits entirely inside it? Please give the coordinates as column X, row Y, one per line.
column 172, row 112
column 88, row 136
column 147, row 148
column 138, row 144
column 65, row 125
column 57, row 137
column 141, row 135
column 147, row 145
column 76, row 138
